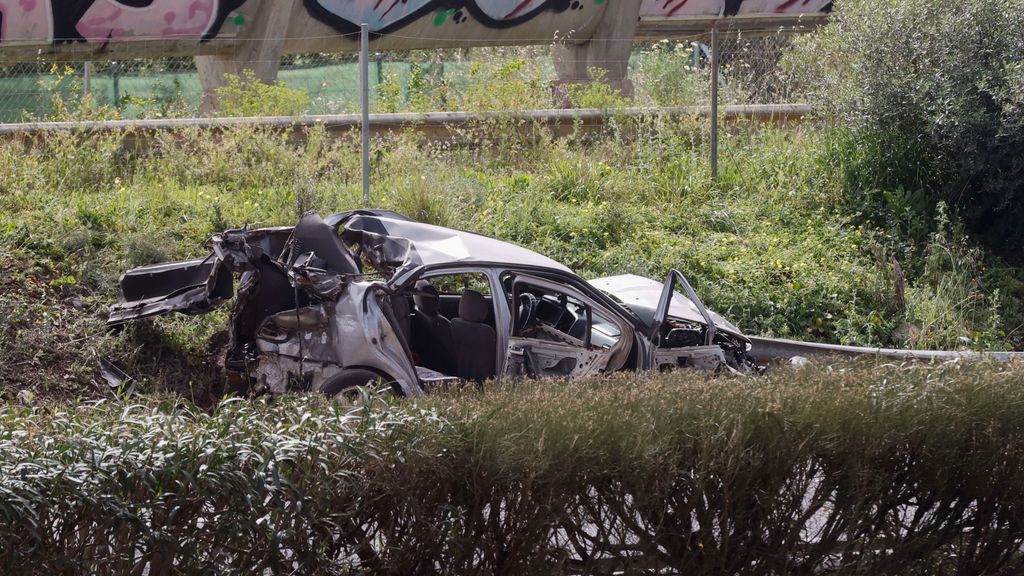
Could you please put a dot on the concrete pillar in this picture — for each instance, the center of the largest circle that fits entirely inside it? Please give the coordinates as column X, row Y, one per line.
column 607, row 50
column 260, row 51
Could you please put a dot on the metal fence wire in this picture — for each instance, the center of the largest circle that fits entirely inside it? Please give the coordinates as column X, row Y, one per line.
column 671, row 72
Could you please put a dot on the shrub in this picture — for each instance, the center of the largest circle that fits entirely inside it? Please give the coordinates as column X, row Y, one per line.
column 502, row 82
column 929, row 93
column 665, row 75
column 851, row 470
column 246, row 95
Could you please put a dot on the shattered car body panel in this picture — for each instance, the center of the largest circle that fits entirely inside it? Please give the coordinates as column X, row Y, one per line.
column 329, row 302
column 315, row 344
column 193, row 286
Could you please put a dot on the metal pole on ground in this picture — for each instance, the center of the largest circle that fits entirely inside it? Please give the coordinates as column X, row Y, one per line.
column 364, row 89
column 714, row 102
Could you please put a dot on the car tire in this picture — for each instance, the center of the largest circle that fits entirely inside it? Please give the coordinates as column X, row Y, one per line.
column 344, row 385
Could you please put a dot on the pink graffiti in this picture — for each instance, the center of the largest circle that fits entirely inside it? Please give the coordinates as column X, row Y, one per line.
column 690, row 8
column 109, row 20
column 22, row 20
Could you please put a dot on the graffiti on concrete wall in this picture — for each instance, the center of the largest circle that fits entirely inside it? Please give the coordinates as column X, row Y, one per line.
column 118, row 20
column 26, row 19
column 705, row 8
column 386, row 15
column 102, row 21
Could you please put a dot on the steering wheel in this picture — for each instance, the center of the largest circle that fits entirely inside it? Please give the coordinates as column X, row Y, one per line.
column 528, row 305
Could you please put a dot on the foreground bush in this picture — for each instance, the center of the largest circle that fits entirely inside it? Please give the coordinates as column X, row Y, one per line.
column 854, row 470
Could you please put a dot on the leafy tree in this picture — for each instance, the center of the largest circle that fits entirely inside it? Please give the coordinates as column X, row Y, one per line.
column 929, row 96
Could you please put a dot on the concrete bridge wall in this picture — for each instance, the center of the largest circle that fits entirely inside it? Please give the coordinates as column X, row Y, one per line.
column 228, row 36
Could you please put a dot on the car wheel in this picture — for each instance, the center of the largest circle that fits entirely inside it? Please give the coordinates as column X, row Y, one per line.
column 344, row 387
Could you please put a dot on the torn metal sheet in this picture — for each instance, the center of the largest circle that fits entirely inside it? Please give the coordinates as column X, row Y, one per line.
column 193, row 287
column 396, row 243
column 116, row 378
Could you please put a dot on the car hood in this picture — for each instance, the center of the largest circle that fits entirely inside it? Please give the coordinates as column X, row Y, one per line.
column 641, row 295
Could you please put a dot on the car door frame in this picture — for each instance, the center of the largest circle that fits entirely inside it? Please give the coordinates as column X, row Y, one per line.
column 626, row 330
column 501, row 312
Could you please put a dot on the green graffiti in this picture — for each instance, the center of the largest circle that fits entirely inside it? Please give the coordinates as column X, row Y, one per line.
column 598, row 2
column 443, row 15
column 239, row 19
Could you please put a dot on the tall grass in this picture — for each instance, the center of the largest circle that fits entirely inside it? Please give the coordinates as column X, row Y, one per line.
column 771, row 244
column 857, row 469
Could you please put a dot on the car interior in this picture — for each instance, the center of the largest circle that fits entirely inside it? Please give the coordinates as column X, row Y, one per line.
column 449, row 324
column 549, row 315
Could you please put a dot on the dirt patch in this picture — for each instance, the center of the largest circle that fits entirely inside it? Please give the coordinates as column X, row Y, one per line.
column 52, row 337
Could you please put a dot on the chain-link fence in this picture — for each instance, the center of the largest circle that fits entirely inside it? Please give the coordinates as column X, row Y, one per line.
column 672, row 72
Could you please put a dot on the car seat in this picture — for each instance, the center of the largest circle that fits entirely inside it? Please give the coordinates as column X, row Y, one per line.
column 475, row 341
column 432, row 332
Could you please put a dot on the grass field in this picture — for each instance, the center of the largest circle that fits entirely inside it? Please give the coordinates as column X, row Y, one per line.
column 433, row 80
column 772, row 245
column 331, row 89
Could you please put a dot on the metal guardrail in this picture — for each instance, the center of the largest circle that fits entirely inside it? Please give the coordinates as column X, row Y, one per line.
column 654, row 28
column 431, row 124
column 779, row 348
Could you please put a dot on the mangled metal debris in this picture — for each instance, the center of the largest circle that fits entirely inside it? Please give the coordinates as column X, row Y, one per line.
column 332, row 303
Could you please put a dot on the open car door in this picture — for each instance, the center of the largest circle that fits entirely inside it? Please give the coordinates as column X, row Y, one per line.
column 558, row 331
column 701, row 353
column 191, row 287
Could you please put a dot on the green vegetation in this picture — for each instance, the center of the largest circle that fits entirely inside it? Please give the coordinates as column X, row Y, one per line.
column 929, row 96
column 862, row 231
column 403, row 81
column 772, row 244
column 863, row 470
column 246, row 95
column 800, row 236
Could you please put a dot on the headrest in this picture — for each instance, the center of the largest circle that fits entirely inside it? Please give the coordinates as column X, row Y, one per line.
column 427, row 301
column 472, row 306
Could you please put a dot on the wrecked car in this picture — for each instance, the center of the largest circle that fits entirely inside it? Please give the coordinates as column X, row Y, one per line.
column 335, row 302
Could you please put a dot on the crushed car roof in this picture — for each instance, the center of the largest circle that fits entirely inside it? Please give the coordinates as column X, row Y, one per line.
column 405, row 245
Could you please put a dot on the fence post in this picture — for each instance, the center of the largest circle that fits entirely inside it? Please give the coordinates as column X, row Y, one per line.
column 364, row 88
column 86, row 78
column 714, row 101
column 115, row 80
